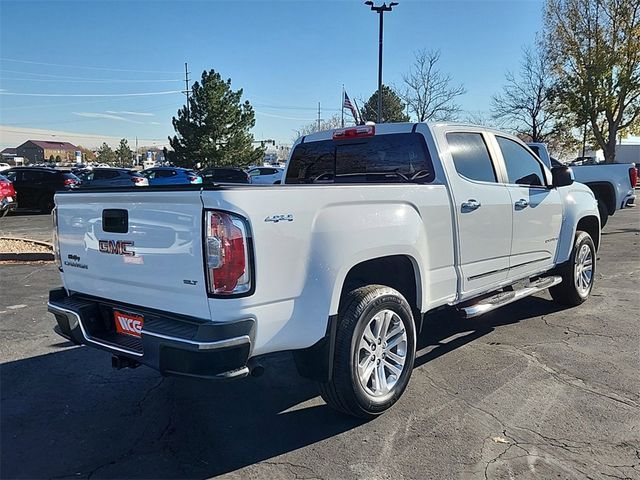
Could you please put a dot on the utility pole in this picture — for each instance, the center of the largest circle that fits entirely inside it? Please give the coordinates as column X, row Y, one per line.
column 342, row 108
column 186, row 90
column 319, row 119
column 380, row 11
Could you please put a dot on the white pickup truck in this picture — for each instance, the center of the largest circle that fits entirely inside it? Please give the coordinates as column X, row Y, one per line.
column 613, row 184
column 373, row 228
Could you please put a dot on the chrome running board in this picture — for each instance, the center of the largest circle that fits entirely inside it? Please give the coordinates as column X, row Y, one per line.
column 505, row 298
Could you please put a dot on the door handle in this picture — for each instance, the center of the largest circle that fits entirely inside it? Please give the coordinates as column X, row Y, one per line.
column 470, row 205
column 520, row 204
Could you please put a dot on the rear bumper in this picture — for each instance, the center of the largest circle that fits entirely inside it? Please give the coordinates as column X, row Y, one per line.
column 170, row 343
column 629, row 201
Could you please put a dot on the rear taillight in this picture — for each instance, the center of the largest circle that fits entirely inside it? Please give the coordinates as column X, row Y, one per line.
column 6, row 189
column 355, row 132
column 227, row 252
column 137, row 180
column 69, row 182
column 56, row 246
column 633, row 176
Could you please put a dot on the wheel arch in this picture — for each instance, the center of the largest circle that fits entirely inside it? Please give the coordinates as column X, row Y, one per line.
column 606, row 192
column 591, row 225
column 400, row 272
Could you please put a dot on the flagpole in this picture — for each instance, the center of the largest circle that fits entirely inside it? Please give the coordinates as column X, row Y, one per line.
column 358, row 121
column 342, row 106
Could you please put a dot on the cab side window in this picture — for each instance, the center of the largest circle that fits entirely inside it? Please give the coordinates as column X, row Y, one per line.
column 471, row 156
column 522, row 167
column 165, row 173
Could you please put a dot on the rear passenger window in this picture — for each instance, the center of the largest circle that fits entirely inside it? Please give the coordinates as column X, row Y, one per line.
column 522, row 167
column 165, row 173
column 471, row 156
column 33, row 175
column 394, row 158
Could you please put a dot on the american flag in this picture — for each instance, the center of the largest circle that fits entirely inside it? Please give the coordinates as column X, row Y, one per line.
column 347, row 104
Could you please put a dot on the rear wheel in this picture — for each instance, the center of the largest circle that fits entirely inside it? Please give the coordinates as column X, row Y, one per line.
column 374, row 352
column 3, row 212
column 578, row 274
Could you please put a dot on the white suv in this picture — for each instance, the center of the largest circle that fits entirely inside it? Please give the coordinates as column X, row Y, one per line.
column 265, row 175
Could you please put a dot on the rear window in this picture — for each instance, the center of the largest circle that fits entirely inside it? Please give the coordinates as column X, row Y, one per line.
column 395, row 158
column 471, row 156
column 104, row 174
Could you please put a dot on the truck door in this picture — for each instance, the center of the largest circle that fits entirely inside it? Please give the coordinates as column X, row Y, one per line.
column 536, row 210
column 483, row 210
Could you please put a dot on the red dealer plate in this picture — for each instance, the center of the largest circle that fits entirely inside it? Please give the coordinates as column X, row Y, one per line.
column 128, row 323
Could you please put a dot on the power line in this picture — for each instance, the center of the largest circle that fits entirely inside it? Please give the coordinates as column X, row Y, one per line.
column 143, row 94
column 106, row 69
column 102, row 80
column 71, row 134
column 291, row 107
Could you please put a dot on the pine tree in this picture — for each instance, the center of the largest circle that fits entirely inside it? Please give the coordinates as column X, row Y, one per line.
column 105, row 154
column 392, row 107
column 123, row 153
column 213, row 129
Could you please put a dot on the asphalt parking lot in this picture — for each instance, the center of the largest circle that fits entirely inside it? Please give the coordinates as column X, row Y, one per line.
column 528, row 391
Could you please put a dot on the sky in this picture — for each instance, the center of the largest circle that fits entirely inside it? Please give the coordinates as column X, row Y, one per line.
column 97, row 70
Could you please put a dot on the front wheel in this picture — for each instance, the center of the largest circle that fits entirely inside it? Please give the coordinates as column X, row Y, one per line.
column 578, row 274
column 374, row 352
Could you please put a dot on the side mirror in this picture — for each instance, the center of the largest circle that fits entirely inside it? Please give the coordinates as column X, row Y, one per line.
column 562, row 176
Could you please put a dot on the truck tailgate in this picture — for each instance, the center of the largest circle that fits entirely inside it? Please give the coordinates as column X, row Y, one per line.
column 141, row 248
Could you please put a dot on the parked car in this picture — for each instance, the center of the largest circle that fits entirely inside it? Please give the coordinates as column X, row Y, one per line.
column 265, row 175
column 111, row 177
column 8, row 201
column 4, row 166
column 36, row 186
column 612, row 183
column 171, row 176
column 412, row 218
column 224, row 175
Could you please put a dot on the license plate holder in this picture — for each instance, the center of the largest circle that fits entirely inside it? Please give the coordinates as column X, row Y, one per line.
column 128, row 323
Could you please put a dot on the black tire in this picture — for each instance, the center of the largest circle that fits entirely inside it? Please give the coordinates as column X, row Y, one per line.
column 568, row 292
column 345, row 391
column 3, row 212
column 604, row 212
column 46, row 203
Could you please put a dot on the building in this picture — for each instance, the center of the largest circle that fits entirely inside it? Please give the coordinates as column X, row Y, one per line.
column 37, row 151
column 8, row 154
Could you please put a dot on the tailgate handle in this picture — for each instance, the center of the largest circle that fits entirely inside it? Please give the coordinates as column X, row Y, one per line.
column 115, row 220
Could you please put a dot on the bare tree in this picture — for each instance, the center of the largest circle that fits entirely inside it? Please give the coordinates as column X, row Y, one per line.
column 595, row 48
column 526, row 102
column 427, row 91
column 332, row 122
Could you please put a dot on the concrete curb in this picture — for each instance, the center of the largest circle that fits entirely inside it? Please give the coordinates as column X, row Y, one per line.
column 27, row 257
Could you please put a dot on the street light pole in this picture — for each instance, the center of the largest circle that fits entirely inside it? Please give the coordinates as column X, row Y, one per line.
column 380, row 11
